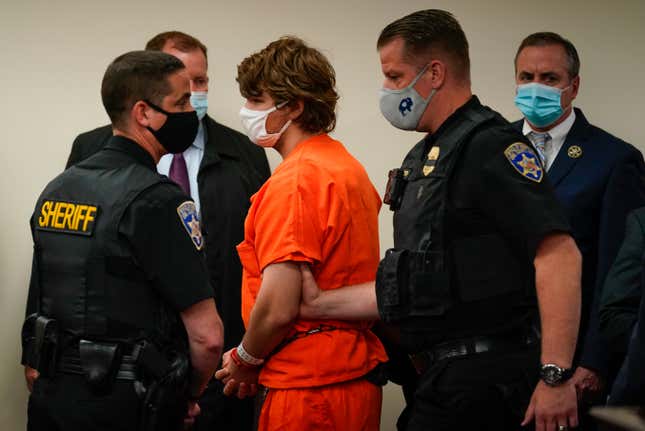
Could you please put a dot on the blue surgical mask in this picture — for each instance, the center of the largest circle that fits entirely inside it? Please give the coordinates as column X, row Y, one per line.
column 199, row 100
column 541, row 104
column 404, row 108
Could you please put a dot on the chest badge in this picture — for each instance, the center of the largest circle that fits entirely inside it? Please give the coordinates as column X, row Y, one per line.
column 189, row 218
column 574, row 152
column 525, row 161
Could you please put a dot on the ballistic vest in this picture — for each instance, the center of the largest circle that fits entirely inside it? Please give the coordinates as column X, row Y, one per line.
column 89, row 281
column 436, row 275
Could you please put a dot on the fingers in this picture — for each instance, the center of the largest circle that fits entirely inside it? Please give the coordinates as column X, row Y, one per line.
column 530, row 413
column 573, row 417
column 253, row 390
column 222, row 374
column 243, row 390
column 306, row 271
column 230, row 388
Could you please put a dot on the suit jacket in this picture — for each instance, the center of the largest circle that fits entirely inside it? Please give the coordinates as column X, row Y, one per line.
column 232, row 169
column 623, row 288
column 597, row 183
column 622, row 313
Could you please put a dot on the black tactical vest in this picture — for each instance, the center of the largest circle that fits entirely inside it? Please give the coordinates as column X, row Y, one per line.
column 89, row 280
column 424, row 282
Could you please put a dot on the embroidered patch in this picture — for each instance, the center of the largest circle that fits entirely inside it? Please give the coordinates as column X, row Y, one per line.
column 574, row 151
column 189, row 218
column 67, row 217
column 525, row 161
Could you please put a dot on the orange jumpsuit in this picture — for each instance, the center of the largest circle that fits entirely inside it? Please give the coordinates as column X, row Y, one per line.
column 318, row 207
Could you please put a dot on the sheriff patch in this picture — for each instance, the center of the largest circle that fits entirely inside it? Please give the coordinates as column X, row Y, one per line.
column 67, row 217
column 525, row 161
column 189, row 218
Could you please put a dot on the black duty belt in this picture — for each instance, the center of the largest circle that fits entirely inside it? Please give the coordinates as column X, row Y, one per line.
column 70, row 363
column 472, row 346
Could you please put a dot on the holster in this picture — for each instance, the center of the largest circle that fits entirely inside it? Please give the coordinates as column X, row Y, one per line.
column 40, row 344
column 100, row 363
column 165, row 396
column 409, row 286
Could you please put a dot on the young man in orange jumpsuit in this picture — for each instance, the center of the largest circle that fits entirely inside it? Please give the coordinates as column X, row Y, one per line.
column 318, row 208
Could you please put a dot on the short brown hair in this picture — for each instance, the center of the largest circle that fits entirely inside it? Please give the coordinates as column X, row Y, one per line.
column 134, row 76
column 182, row 41
column 289, row 70
column 428, row 31
column 549, row 38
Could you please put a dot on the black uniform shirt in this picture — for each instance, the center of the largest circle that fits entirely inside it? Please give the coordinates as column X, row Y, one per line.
column 156, row 234
column 489, row 195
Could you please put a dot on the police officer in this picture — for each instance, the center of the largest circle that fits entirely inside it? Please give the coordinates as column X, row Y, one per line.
column 122, row 325
column 480, row 242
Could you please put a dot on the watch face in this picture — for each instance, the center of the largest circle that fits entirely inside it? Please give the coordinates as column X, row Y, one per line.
column 551, row 374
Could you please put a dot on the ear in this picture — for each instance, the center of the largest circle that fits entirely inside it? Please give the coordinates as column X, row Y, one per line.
column 437, row 69
column 296, row 108
column 139, row 114
column 575, row 86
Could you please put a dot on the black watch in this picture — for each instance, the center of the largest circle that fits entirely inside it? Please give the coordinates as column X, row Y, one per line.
column 553, row 375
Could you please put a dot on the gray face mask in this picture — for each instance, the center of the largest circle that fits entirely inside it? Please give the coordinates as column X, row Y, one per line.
column 404, row 108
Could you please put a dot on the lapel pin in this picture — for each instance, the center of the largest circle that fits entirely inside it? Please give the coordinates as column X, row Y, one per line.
column 574, row 152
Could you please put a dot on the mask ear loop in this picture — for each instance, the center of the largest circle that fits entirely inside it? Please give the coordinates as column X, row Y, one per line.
column 287, row 124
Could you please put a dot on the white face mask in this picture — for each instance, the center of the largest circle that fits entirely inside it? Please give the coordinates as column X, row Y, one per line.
column 255, row 122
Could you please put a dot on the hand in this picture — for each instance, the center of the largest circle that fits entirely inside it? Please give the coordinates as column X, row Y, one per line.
column 30, row 377
column 193, row 411
column 589, row 385
column 239, row 381
column 552, row 406
column 310, row 293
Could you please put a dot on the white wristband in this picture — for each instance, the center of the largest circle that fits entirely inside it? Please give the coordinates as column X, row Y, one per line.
column 247, row 357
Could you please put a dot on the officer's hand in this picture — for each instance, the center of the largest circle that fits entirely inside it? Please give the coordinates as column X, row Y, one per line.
column 310, row 292
column 552, row 407
column 30, row 377
column 589, row 385
column 193, row 411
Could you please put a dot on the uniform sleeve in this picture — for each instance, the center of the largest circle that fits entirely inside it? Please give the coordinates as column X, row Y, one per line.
column 621, row 292
column 524, row 209
column 163, row 247
column 291, row 219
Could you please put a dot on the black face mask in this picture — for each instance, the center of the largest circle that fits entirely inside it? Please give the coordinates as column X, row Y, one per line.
column 179, row 130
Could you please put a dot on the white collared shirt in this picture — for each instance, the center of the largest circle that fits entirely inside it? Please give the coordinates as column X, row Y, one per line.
column 193, row 156
column 558, row 135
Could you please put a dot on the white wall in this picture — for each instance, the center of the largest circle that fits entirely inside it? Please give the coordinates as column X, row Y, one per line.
column 54, row 54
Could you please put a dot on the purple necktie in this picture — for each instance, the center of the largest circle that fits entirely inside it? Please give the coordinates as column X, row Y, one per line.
column 179, row 172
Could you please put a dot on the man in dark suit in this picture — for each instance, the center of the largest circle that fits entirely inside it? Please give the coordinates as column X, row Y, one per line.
column 622, row 319
column 221, row 170
column 597, row 177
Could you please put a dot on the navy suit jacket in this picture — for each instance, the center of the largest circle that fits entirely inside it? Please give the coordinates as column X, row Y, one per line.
column 597, row 189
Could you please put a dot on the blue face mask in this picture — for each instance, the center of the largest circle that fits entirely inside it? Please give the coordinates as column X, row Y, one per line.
column 199, row 100
column 541, row 104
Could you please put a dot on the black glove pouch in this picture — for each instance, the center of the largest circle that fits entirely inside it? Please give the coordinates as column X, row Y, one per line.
column 100, row 363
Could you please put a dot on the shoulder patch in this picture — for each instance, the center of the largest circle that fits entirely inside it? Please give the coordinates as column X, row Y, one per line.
column 525, row 161
column 189, row 218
